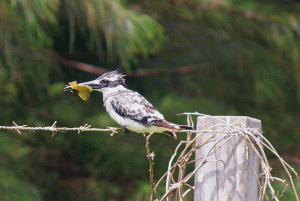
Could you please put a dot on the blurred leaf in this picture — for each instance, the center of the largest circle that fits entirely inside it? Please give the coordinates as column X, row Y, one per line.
column 13, row 189
column 12, row 146
column 56, row 89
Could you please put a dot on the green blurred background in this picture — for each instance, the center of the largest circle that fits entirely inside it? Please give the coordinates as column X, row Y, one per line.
column 218, row 57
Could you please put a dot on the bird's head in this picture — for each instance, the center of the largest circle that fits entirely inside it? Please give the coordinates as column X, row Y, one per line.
column 107, row 83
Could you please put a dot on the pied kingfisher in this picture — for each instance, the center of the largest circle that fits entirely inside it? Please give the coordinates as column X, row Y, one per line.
column 130, row 109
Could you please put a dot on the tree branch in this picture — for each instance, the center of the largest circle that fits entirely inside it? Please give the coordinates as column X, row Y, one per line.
column 150, row 157
column 139, row 73
column 167, row 72
column 80, row 66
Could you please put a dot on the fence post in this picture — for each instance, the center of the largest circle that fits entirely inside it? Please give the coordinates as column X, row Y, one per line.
column 232, row 169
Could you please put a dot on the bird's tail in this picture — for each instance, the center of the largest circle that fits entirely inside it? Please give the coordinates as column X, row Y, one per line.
column 177, row 128
column 169, row 133
column 185, row 127
column 171, row 127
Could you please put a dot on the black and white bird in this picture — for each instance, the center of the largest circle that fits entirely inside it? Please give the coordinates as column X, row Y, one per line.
column 130, row 109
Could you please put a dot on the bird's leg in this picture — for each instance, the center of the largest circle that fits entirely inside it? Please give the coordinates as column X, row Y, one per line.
column 123, row 128
column 118, row 130
column 126, row 130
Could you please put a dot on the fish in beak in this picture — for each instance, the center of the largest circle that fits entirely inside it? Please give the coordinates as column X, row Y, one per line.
column 83, row 90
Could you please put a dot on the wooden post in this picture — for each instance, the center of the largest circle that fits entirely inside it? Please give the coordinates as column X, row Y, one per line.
column 232, row 168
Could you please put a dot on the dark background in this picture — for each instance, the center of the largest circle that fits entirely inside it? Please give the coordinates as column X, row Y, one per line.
column 221, row 57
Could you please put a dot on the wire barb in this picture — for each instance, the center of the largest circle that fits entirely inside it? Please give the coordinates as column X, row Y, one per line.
column 178, row 181
column 55, row 129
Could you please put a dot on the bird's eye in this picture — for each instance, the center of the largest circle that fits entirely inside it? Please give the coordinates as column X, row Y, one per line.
column 103, row 82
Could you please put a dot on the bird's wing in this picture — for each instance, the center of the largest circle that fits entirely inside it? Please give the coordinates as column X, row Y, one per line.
column 132, row 105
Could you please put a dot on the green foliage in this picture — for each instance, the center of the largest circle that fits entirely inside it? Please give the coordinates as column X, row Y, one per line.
column 108, row 26
column 247, row 55
column 13, row 186
column 14, row 189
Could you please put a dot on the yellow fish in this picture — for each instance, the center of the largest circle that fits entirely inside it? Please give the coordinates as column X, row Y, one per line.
column 83, row 91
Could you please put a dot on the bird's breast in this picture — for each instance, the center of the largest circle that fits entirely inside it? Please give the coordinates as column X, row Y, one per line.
column 131, row 124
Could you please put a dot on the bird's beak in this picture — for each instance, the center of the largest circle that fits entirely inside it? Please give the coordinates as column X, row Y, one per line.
column 93, row 84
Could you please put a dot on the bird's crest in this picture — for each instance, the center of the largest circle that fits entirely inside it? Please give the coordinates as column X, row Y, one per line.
column 113, row 76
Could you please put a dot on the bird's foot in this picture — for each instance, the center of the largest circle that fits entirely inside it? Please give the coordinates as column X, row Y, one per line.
column 118, row 130
column 126, row 130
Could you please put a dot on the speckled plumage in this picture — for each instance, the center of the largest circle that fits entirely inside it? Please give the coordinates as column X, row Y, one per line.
column 136, row 112
column 130, row 109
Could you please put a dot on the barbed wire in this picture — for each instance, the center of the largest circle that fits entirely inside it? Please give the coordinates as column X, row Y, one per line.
column 87, row 127
column 55, row 129
column 114, row 130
